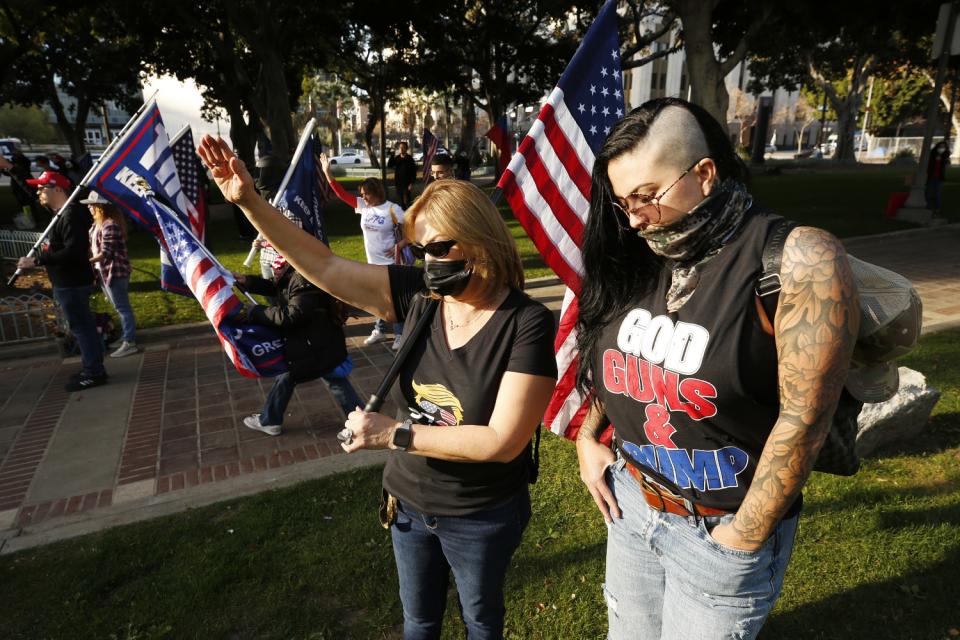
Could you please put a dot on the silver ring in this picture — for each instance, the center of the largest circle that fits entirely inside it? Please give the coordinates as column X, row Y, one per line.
column 345, row 436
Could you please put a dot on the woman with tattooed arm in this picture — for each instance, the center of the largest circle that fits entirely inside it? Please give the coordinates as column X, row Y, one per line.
column 718, row 414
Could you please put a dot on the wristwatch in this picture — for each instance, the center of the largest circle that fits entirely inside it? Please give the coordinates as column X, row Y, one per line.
column 403, row 435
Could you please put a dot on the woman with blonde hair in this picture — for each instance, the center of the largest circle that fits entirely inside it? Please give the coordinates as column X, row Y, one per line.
column 476, row 384
column 108, row 245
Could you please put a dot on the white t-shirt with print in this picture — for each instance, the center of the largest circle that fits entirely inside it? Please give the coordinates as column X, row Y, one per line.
column 377, row 225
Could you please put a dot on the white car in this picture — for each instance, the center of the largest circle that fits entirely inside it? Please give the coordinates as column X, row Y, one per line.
column 350, row 156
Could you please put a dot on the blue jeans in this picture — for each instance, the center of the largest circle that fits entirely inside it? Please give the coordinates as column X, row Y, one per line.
column 121, row 302
column 282, row 391
column 668, row 578
column 381, row 324
column 477, row 548
column 75, row 302
column 933, row 194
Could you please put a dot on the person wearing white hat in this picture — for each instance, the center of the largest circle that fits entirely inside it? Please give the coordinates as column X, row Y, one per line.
column 109, row 248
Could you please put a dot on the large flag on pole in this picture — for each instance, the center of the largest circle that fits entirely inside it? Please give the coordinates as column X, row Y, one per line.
column 304, row 191
column 430, row 143
column 144, row 151
column 192, row 179
column 254, row 350
column 500, row 136
column 548, row 186
column 303, row 197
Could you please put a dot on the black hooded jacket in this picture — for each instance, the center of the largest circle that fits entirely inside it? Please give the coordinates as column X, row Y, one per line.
column 306, row 317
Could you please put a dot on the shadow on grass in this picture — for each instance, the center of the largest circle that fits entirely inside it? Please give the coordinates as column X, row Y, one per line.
column 908, row 606
column 942, row 432
column 857, row 497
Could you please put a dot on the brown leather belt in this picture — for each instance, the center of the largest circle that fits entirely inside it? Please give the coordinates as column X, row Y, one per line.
column 661, row 499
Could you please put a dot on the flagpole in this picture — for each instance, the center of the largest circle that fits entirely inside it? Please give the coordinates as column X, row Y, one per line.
column 304, row 138
column 81, row 185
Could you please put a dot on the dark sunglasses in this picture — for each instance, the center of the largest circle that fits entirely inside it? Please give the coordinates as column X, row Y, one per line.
column 438, row 249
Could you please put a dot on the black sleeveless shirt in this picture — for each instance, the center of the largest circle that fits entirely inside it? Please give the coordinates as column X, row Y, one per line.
column 693, row 394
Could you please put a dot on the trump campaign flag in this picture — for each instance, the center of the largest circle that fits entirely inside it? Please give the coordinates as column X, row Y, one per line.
column 547, row 184
column 430, row 143
column 303, row 197
column 498, row 135
column 144, row 151
column 192, row 179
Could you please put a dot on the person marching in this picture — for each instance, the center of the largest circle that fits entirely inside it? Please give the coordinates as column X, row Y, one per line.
column 66, row 259
column 476, row 383
column 110, row 260
column 379, row 221
column 314, row 344
column 718, row 416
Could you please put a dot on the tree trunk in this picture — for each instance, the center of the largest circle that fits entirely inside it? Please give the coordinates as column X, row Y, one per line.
column 468, row 125
column 276, row 99
column 73, row 132
column 373, row 119
column 846, row 127
column 707, row 87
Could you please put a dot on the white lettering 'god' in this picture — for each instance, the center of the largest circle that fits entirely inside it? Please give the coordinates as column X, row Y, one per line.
column 679, row 347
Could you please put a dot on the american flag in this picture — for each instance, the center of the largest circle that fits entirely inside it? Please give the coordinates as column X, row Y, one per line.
column 548, row 186
column 254, row 350
column 430, row 143
column 192, row 178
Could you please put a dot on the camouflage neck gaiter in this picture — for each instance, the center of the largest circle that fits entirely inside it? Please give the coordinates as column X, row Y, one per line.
column 697, row 237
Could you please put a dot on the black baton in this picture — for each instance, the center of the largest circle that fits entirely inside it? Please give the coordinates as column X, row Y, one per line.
column 376, row 400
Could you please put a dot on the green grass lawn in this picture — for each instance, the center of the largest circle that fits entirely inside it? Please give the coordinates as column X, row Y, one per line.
column 846, row 201
column 877, row 556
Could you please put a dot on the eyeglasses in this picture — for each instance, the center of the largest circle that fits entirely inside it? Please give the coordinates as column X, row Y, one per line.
column 438, row 249
column 637, row 201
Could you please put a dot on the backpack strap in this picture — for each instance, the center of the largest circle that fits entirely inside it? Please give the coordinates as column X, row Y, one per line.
column 769, row 284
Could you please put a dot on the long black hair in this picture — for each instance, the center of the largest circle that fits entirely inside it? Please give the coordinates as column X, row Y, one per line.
column 619, row 265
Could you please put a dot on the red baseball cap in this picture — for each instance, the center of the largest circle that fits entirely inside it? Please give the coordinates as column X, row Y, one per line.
column 51, row 177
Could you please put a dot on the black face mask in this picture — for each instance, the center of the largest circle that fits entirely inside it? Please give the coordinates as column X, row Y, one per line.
column 446, row 278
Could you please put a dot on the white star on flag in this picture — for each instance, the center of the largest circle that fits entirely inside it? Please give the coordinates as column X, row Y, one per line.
column 593, row 89
column 593, row 129
column 581, row 108
column 605, row 92
column 603, row 72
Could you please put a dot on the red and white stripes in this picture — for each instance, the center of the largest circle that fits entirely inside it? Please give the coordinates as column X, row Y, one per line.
column 548, row 187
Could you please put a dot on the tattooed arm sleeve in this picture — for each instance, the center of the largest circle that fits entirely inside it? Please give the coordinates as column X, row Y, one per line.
column 815, row 328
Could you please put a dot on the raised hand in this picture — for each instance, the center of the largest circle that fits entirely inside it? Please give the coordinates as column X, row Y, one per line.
column 229, row 171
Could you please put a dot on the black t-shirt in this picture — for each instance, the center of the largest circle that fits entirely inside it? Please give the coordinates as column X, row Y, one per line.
column 693, row 394
column 460, row 386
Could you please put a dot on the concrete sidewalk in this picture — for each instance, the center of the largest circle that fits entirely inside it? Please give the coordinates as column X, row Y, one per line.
column 166, row 433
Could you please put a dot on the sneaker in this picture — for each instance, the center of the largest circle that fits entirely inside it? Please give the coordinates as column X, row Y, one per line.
column 126, row 349
column 375, row 336
column 397, row 343
column 79, row 375
column 84, row 381
column 253, row 422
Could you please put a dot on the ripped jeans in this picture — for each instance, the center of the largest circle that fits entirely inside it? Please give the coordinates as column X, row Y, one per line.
column 666, row 577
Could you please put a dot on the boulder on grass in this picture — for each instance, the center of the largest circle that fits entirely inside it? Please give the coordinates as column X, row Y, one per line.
column 901, row 417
